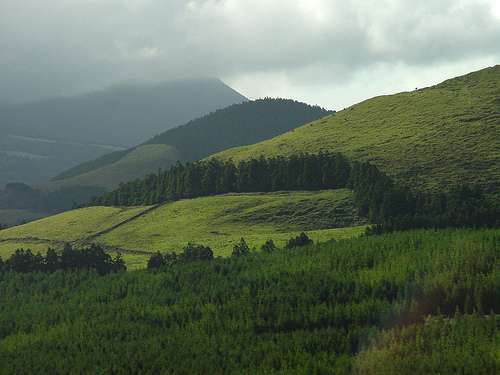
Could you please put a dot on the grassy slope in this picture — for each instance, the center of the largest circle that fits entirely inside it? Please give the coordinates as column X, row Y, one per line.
column 220, row 221
column 66, row 227
column 217, row 221
column 427, row 139
column 140, row 161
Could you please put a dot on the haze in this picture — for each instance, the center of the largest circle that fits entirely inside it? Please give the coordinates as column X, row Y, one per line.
column 327, row 52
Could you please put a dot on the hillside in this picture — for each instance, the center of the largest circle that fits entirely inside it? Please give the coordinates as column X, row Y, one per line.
column 236, row 125
column 419, row 302
column 218, row 221
column 41, row 139
column 427, row 139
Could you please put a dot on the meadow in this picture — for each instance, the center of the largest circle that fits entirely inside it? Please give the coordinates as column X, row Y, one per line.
column 221, row 221
column 216, row 221
column 426, row 139
column 71, row 226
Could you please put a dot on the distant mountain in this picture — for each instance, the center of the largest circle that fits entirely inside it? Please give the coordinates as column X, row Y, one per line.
column 41, row 139
column 427, row 139
column 237, row 125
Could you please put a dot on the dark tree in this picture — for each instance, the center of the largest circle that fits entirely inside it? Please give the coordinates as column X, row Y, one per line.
column 193, row 252
column 241, row 249
column 156, row 261
column 268, row 246
column 299, row 241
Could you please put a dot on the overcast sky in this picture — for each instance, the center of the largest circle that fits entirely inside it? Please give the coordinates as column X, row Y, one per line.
column 328, row 52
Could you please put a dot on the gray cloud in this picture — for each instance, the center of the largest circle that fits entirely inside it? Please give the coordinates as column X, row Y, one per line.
column 332, row 52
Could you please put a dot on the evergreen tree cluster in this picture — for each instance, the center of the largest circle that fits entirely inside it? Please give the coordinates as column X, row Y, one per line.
column 302, row 172
column 345, row 307
column 70, row 258
column 299, row 241
column 390, row 206
column 191, row 253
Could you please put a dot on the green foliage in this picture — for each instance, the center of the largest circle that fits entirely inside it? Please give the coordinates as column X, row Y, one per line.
column 240, row 249
column 318, row 309
column 191, row 253
column 463, row 344
column 268, row 247
column 426, row 140
column 301, row 172
column 299, row 241
column 375, row 194
column 90, row 258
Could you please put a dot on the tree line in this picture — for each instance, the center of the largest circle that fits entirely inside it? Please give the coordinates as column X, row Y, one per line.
column 376, row 195
column 194, row 252
column 93, row 257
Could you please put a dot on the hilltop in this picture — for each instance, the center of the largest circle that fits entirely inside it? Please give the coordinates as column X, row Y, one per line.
column 426, row 139
column 236, row 125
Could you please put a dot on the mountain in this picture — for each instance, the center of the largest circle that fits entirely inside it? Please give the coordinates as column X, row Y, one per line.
column 41, row 139
column 426, row 139
column 238, row 124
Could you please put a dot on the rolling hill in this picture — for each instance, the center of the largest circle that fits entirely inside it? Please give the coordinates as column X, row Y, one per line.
column 41, row 139
column 218, row 221
column 239, row 124
column 427, row 139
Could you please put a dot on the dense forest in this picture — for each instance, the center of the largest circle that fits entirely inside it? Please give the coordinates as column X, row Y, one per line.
column 416, row 302
column 377, row 197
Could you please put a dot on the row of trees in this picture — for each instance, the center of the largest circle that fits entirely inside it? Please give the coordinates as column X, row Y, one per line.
column 193, row 252
column 376, row 195
column 90, row 258
column 302, row 172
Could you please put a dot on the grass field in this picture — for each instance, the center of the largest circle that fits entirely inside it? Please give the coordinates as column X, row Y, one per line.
column 69, row 226
column 142, row 160
column 427, row 139
column 218, row 221
column 221, row 221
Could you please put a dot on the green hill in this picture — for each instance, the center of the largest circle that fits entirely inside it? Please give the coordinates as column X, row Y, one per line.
column 427, row 139
column 41, row 139
column 236, row 125
column 72, row 226
column 218, row 221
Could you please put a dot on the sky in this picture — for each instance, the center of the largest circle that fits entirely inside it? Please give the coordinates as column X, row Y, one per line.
column 328, row 52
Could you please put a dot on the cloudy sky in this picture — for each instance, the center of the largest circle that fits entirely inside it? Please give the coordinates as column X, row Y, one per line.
column 328, row 52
